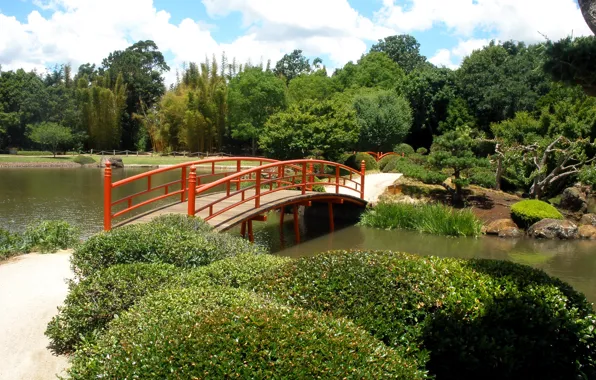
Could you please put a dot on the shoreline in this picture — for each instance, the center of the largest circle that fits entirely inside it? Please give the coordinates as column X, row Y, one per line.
column 73, row 165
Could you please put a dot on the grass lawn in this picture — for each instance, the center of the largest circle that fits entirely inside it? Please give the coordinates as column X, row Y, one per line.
column 15, row 158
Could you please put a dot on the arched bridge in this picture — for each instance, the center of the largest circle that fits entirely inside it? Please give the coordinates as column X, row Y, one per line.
column 241, row 190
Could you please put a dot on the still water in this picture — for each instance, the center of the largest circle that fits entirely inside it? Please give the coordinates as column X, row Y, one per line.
column 76, row 195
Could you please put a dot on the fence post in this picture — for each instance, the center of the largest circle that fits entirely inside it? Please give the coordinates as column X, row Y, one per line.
column 183, row 184
column 192, row 182
column 107, row 197
column 258, row 190
column 114, row 152
column 362, row 175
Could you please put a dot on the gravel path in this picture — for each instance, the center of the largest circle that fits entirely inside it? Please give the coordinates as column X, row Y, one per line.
column 31, row 288
column 374, row 186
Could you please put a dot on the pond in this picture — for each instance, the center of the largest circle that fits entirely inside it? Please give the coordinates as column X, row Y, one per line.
column 76, row 195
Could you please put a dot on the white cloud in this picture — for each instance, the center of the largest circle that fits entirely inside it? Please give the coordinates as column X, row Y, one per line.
column 452, row 58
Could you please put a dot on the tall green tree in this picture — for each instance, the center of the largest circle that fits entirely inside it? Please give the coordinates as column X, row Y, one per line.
column 293, row 64
column 141, row 66
column 315, row 86
column 50, row 135
column 374, row 69
column 253, row 96
column 403, row 49
column 384, row 119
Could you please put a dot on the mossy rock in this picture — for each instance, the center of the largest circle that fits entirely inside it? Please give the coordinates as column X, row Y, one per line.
column 528, row 212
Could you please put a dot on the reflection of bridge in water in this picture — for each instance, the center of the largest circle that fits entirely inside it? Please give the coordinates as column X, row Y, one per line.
column 242, row 195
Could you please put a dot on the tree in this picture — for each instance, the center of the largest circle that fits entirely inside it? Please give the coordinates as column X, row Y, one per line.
column 314, row 86
column 455, row 150
column 374, row 69
column 384, row 118
column 292, row 65
column 326, row 127
column 253, row 96
column 458, row 115
column 50, row 135
column 403, row 50
column 571, row 61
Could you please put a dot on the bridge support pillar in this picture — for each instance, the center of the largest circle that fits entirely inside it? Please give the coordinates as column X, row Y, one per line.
column 251, row 236
column 331, row 222
column 243, row 229
column 296, row 225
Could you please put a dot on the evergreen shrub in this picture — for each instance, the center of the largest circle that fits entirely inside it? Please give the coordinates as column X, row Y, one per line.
column 404, row 148
column 528, row 212
column 355, row 160
column 50, row 236
column 422, row 150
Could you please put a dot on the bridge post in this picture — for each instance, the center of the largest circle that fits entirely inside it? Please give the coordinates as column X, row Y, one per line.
column 183, row 184
column 257, row 192
column 311, row 177
column 303, row 178
column 107, row 197
column 337, row 170
column 362, row 175
column 238, row 170
column 192, row 183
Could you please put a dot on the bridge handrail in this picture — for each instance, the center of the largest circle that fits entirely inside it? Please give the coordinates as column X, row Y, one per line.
column 304, row 165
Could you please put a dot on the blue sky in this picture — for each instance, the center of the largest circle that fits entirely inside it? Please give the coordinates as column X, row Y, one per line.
column 40, row 33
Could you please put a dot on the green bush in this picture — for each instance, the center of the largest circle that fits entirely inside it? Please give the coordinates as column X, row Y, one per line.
column 34, row 153
column 403, row 148
column 428, row 218
column 10, row 244
column 383, row 162
column 93, row 302
column 84, row 160
column 528, row 212
column 223, row 333
column 483, row 177
column 169, row 240
column 470, row 319
column 422, row 151
column 354, row 161
column 50, row 236
column 409, row 169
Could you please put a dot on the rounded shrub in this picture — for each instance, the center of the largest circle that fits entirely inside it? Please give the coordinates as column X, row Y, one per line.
column 385, row 161
column 84, row 160
column 528, row 212
column 483, row 178
column 168, row 240
column 389, row 164
column 354, row 161
column 465, row 319
column 422, row 150
column 93, row 302
column 222, row 333
column 404, row 148
column 50, row 236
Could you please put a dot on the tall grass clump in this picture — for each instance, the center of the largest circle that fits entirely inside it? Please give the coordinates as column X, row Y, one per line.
column 428, row 218
column 46, row 236
column 10, row 244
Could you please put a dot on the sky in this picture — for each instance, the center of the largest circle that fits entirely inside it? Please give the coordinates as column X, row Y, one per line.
column 37, row 34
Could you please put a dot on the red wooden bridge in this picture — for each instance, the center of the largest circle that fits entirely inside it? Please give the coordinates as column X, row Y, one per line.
column 248, row 189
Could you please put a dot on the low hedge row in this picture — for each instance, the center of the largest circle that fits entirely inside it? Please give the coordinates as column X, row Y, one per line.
column 470, row 319
column 222, row 332
column 410, row 169
column 528, row 212
column 178, row 240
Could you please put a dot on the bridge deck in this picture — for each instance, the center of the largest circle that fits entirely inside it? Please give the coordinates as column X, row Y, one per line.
column 241, row 212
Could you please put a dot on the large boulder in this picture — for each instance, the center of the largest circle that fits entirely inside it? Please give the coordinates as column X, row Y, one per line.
column 116, row 162
column 588, row 219
column 510, row 232
column 553, row 228
column 573, row 199
column 587, row 232
column 496, row 226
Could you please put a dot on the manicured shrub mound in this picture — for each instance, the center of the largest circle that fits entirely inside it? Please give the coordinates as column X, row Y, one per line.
column 403, row 148
column 386, row 160
column 50, row 236
column 410, row 169
column 222, row 333
column 528, row 212
column 169, row 240
column 422, row 150
column 93, row 302
column 84, row 160
column 474, row 319
column 354, row 161
column 428, row 218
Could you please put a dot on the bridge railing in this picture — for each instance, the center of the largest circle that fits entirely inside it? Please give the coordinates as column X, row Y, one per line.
column 252, row 184
column 156, row 193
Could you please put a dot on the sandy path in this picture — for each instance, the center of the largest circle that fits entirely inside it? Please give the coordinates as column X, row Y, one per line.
column 31, row 287
column 374, row 186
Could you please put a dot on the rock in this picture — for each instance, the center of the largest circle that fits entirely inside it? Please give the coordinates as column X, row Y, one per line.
column 587, row 232
column 497, row 226
column 573, row 199
column 553, row 228
column 510, row 232
column 588, row 219
column 115, row 161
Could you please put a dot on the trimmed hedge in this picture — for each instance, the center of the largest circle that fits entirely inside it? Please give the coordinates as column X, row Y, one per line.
column 410, row 169
column 470, row 319
column 178, row 240
column 404, row 148
column 222, row 333
column 422, row 150
column 528, row 212
column 84, row 160
column 354, row 161
column 93, row 302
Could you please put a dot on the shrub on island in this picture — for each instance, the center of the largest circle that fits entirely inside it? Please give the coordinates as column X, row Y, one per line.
column 528, row 212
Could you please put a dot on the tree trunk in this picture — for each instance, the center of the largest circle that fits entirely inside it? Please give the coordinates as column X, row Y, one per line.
column 499, row 173
column 588, row 8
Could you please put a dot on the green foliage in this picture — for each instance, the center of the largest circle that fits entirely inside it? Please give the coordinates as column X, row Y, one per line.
column 34, row 153
column 355, row 161
column 408, row 168
column 50, row 236
column 458, row 115
column 373, row 70
column 383, row 162
column 317, row 86
column 292, row 65
column 422, row 151
column 384, row 118
column 10, row 244
column 222, row 332
column 328, row 127
column 172, row 240
column 403, row 148
column 51, row 135
column 483, row 177
column 467, row 318
column 403, row 50
column 588, row 176
column 528, row 212
column 571, row 61
column 84, row 160
column 94, row 301
column 427, row 218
